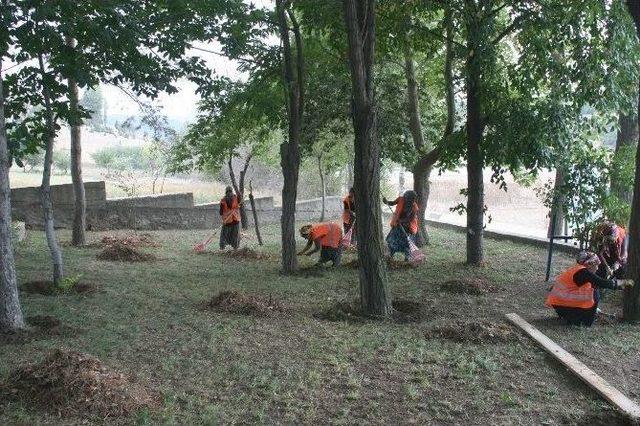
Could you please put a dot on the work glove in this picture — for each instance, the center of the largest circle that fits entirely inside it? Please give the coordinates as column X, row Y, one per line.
column 622, row 284
column 616, row 266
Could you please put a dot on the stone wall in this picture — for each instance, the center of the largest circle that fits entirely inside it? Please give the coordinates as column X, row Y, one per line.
column 162, row 211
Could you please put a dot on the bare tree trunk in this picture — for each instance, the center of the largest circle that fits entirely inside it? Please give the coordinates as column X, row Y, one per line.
column 10, row 311
column 556, row 210
column 324, row 189
column 360, row 22
column 631, row 310
column 627, row 139
column 290, row 149
column 45, row 188
column 78, row 237
column 255, row 214
column 475, row 129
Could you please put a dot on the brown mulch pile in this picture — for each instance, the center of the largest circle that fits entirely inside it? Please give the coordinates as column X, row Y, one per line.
column 133, row 240
column 404, row 311
column 235, row 302
column 121, row 252
column 477, row 332
column 392, row 264
column 245, row 253
column 75, row 384
column 47, row 288
column 472, row 286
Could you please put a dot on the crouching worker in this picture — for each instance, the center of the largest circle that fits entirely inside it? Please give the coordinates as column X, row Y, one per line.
column 326, row 238
column 230, row 213
column 575, row 293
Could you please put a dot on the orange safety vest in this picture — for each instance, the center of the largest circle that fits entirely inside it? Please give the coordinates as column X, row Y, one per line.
column 395, row 219
column 566, row 293
column 230, row 214
column 329, row 233
column 346, row 217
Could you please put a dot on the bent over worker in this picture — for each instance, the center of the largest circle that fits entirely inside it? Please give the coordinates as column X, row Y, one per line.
column 230, row 214
column 575, row 294
column 404, row 223
column 349, row 213
column 326, row 237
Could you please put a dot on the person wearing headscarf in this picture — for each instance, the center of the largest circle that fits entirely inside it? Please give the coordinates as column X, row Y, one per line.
column 611, row 242
column 404, row 223
column 349, row 213
column 575, row 293
column 230, row 214
column 324, row 237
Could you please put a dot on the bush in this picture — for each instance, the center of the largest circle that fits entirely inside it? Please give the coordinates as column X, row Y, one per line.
column 62, row 161
column 30, row 161
column 121, row 158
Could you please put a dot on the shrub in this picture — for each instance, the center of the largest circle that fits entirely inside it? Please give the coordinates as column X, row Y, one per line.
column 62, row 161
column 121, row 158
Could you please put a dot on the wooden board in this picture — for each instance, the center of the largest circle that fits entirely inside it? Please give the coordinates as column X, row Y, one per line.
column 608, row 392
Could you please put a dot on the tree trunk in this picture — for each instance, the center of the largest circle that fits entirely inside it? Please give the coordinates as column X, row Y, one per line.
column 239, row 190
column 360, row 22
column 78, row 237
column 422, row 188
column 45, row 188
column 10, row 312
column 631, row 310
column 475, row 161
column 290, row 149
column 558, row 202
column 627, row 139
column 324, row 189
column 255, row 214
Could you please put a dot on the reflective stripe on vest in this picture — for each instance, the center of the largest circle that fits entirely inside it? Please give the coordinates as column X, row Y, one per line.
column 566, row 293
column 230, row 214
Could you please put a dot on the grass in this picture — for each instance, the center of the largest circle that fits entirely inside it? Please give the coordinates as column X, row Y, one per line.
column 146, row 321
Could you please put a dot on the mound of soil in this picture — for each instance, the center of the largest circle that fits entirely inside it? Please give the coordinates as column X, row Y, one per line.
column 477, row 332
column 118, row 252
column 392, row 264
column 235, row 302
column 47, row 288
column 43, row 321
column 404, row 311
column 245, row 253
column 40, row 327
column 472, row 286
column 76, row 384
column 132, row 240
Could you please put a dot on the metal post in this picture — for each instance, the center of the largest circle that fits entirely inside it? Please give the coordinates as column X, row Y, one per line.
column 550, row 255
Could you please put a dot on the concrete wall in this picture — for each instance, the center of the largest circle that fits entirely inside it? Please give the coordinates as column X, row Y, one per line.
column 95, row 193
column 178, row 199
column 262, row 203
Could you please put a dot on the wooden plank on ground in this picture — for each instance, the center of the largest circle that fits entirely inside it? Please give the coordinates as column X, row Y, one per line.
column 608, row 392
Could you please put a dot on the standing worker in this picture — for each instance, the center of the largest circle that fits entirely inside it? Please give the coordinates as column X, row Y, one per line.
column 230, row 213
column 404, row 223
column 349, row 213
column 326, row 237
column 611, row 243
column 575, row 294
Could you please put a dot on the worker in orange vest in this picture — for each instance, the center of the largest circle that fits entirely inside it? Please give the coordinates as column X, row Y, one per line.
column 404, row 223
column 611, row 244
column 230, row 214
column 349, row 213
column 575, row 294
column 326, row 237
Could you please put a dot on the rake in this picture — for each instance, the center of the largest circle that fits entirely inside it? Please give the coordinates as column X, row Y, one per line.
column 200, row 247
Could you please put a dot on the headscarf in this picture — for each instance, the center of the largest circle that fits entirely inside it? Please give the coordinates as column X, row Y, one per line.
column 588, row 258
column 305, row 231
column 409, row 199
column 228, row 195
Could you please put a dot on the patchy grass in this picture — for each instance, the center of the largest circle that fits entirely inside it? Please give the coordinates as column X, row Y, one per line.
column 147, row 323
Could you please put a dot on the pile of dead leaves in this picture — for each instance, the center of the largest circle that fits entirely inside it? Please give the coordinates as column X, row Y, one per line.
column 40, row 327
column 74, row 384
column 132, row 240
column 473, row 332
column 472, row 286
column 235, row 302
column 245, row 253
column 119, row 251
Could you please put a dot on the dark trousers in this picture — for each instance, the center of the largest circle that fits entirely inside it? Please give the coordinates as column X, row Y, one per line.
column 330, row 254
column 579, row 316
column 230, row 235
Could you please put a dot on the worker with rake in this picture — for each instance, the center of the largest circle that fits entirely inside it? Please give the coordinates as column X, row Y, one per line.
column 575, row 294
column 327, row 239
column 230, row 214
column 404, row 227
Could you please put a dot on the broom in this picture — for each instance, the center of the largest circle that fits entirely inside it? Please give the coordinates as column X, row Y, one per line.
column 415, row 254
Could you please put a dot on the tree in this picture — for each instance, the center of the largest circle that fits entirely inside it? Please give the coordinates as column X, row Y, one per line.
column 632, row 296
column 293, row 72
column 360, row 22
column 10, row 312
